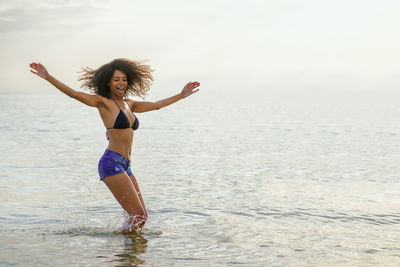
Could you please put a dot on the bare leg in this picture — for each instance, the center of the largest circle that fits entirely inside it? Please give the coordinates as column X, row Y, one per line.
column 125, row 193
column 136, row 185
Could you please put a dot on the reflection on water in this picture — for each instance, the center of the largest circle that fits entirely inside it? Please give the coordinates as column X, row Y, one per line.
column 134, row 245
column 126, row 254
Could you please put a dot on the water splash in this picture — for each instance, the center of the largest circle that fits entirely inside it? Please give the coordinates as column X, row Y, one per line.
column 133, row 223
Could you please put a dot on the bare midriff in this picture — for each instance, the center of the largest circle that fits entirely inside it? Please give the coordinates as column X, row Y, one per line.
column 120, row 141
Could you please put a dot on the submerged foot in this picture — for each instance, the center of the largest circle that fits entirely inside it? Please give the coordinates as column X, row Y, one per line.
column 133, row 224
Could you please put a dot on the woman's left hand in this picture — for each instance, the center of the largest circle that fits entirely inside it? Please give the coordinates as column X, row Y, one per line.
column 190, row 89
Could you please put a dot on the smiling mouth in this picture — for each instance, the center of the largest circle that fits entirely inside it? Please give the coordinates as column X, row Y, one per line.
column 121, row 90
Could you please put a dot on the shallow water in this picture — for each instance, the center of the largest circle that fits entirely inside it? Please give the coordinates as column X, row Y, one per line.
column 266, row 180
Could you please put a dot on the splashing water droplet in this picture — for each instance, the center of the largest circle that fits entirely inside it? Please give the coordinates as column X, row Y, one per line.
column 133, row 224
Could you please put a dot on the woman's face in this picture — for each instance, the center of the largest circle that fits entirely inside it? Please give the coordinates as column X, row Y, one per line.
column 118, row 83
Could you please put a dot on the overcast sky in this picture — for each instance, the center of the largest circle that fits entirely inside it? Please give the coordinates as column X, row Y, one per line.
column 226, row 45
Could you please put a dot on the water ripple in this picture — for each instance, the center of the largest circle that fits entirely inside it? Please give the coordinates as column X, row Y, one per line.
column 196, row 213
column 376, row 219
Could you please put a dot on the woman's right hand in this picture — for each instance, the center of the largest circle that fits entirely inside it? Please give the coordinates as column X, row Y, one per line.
column 39, row 70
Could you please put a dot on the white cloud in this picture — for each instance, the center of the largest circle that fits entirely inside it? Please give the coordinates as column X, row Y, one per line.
column 49, row 16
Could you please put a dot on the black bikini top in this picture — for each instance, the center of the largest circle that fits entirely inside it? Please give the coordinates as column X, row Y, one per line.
column 122, row 121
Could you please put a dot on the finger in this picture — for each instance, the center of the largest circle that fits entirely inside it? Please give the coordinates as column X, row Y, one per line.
column 35, row 66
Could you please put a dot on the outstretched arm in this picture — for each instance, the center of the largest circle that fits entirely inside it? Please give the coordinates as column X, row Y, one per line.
column 143, row 106
column 90, row 100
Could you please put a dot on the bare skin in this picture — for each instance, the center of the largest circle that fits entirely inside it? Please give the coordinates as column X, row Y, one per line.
column 124, row 188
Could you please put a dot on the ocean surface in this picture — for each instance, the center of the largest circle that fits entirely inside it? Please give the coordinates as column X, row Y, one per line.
column 234, row 178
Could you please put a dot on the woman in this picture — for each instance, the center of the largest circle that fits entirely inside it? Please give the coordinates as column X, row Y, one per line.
column 110, row 86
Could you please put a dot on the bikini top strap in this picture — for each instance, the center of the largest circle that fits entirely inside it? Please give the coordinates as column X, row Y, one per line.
column 116, row 103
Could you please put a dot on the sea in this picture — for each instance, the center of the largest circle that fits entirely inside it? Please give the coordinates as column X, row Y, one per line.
column 233, row 178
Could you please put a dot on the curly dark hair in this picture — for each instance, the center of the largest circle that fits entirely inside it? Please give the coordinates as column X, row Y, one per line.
column 138, row 75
